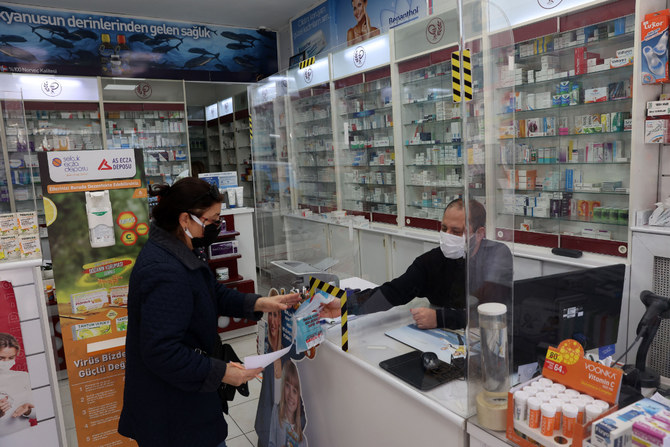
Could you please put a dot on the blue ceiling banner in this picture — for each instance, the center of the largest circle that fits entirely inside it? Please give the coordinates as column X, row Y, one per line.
column 46, row 41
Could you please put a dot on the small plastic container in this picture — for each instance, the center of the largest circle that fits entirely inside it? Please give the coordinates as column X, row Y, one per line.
column 572, row 393
column 520, row 405
column 530, row 390
column 547, row 423
column 580, row 404
column 602, row 404
column 592, row 411
column 558, row 387
column 544, row 397
column 564, row 397
column 551, row 391
column 586, row 398
column 558, row 405
column 570, row 413
column 534, row 405
column 545, row 382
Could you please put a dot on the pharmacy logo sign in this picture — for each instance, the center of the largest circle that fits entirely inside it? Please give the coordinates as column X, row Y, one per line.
column 549, row 4
column 435, row 30
column 359, row 56
column 309, row 75
column 143, row 90
column 51, row 87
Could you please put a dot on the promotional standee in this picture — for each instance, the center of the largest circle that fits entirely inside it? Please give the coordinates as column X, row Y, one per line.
column 281, row 415
column 97, row 214
column 17, row 411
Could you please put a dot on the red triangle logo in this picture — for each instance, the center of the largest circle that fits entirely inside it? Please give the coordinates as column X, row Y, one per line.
column 104, row 166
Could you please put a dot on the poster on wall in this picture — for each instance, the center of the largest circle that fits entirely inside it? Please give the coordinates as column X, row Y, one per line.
column 97, row 217
column 46, row 41
column 312, row 32
column 17, row 409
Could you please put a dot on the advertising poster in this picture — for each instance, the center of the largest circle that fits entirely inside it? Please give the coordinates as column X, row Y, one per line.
column 17, row 411
column 359, row 20
column 97, row 216
column 312, row 32
column 45, row 41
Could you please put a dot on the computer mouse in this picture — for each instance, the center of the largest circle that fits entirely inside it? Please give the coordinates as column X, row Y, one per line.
column 429, row 361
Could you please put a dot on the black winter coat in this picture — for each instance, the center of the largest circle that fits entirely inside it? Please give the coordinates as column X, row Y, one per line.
column 173, row 306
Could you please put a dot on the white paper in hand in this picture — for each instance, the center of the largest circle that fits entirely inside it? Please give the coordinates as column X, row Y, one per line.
column 263, row 360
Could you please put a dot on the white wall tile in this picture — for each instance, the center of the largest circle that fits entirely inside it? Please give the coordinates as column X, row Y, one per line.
column 32, row 337
column 44, row 404
column 17, row 277
column 26, row 301
column 37, row 367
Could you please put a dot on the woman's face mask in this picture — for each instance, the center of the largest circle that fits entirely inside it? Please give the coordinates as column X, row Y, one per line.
column 453, row 247
column 209, row 233
column 7, row 365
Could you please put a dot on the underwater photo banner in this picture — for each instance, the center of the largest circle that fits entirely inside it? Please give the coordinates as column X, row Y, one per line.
column 45, row 41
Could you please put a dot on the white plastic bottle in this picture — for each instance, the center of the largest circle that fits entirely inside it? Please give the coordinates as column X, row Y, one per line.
column 100, row 219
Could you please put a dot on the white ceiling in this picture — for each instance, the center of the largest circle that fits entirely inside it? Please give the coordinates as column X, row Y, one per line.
column 272, row 14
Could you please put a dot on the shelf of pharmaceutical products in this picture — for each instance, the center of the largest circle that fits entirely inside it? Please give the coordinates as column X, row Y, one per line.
column 563, row 103
column 433, row 157
column 270, row 146
column 364, row 124
column 197, row 140
column 158, row 129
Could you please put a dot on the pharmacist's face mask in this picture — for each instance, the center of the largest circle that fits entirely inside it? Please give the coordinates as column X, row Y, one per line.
column 209, row 233
column 7, row 365
column 453, row 247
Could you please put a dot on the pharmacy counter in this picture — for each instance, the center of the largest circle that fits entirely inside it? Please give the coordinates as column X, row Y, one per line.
column 350, row 400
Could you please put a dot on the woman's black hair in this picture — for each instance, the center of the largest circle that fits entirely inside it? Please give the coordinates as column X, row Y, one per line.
column 189, row 194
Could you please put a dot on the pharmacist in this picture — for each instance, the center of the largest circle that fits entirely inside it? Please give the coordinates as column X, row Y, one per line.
column 440, row 275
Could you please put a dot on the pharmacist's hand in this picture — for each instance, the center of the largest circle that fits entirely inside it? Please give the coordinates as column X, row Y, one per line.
column 23, row 410
column 332, row 309
column 424, row 317
column 236, row 374
column 277, row 302
column 5, row 405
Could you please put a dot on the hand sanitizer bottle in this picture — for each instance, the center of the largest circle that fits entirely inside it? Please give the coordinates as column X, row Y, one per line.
column 100, row 220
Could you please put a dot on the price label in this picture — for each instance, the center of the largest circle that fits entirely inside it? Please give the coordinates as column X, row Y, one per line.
column 554, row 355
column 556, row 367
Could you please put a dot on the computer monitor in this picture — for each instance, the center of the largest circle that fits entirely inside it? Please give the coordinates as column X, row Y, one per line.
column 584, row 305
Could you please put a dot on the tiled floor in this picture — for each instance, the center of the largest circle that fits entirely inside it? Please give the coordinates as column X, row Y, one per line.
column 242, row 412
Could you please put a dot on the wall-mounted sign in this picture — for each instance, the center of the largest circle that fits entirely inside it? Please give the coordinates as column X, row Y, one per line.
column 143, row 90
column 212, row 112
column 47, row 41
column 506, row 13
column 51, row 88
column 315, row 74
column 362, row 57
column 226, row 106
column 68, row 166
column 432, row 33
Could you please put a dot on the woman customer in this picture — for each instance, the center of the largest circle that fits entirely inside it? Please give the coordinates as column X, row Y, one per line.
column 174, row 301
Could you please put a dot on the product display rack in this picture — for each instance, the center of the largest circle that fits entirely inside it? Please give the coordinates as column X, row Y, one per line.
column 242, row 137
column 158, row 129
column 313, row 149
column 366, row 147
column 564, row 128
column 197, row 136
column 431, row 127
column 214, row 149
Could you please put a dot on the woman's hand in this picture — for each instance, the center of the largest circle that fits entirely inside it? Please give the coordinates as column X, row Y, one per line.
column 5, row 405
column 236, row 374
column 23, row 410
column 276, row 303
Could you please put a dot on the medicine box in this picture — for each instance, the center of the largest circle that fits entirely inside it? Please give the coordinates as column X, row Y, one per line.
column 222, row 249
column 657, row 131
column 658, row 108
column 654, row 47
column 118, row 295
column 83, row 331
column 598, row 94
column 8, row 224
column 87, row 301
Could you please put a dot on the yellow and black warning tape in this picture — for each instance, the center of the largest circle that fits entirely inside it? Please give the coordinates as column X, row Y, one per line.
column 330, row 289
column 456, row 75
column 307, row 62
column 251, row 130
